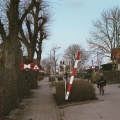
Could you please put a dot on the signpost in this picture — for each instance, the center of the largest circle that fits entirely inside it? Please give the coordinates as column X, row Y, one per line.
column 29, row 66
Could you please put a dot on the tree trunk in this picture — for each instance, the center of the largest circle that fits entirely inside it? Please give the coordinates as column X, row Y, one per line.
column 11, row 52
column 9, row 84
column 10, row 77
column 30, row 54
column 38, row 57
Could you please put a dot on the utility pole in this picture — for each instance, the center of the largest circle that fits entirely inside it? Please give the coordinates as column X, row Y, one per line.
column 54, row 58
column 50, row 62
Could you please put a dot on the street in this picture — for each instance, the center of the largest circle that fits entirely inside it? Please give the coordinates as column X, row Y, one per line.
column 107, row 109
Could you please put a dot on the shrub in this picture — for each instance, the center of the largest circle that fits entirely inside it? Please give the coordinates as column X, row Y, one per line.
column 87, row 76
column 95, row 77
column 25, row 83
column 80, row 91
column 33, row 78
column 51, row 78
column 21, row 85
column 93, row 81
column 40, row 78
column 60, row 78
column 8, row 92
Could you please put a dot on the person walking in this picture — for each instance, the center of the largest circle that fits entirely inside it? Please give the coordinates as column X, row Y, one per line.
column 101, row 83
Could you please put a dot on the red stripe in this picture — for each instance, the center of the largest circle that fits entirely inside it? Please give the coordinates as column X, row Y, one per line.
column 78, row 56
column 74, row 71
column 69, row 87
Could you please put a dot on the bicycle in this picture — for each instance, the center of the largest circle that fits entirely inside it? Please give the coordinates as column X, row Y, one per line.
column 100, row 84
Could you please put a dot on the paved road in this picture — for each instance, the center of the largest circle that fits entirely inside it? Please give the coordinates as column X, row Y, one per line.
column 108, row 109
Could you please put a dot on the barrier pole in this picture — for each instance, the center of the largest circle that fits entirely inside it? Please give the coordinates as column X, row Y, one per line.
column 65, row 85
column 72, row 76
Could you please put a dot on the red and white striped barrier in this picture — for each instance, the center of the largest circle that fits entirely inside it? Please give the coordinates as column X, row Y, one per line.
column 72, row 77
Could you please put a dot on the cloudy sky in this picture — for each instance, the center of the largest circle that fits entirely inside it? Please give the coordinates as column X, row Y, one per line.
column 72, row 22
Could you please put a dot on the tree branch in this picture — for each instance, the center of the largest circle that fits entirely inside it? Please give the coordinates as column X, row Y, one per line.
column 27, row 11
column 29, row 29
column 23, row 39
column 2, row 32
column 40, row 27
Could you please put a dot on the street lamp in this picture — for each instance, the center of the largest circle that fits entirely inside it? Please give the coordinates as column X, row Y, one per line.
column 50, row 63
column 54, row 58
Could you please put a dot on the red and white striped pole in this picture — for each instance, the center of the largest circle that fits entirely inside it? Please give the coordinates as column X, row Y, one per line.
column 72, row 77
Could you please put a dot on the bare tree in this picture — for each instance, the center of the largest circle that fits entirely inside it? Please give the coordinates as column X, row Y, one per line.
column 24, row 49
column 71, row 52
column 9, row 30
column 45, row 63
column 105, row 35
column 54, row 58
column 44, row 32
column 32, row 32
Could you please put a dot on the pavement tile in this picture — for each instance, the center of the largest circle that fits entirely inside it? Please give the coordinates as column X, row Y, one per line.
column 41, row 106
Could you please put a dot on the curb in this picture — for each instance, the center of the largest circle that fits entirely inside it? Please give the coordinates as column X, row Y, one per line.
column 80, row 103
column 62, row 114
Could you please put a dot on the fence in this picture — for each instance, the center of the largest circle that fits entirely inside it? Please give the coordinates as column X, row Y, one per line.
column 112, row 75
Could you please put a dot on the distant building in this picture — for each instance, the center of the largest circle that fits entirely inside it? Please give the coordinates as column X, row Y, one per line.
column 108, row 66
column 65, row 65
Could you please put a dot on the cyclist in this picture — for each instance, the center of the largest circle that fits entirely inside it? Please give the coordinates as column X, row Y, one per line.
column 100, row 84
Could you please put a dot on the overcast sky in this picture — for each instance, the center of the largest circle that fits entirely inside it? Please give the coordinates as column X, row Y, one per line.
column 72, row 22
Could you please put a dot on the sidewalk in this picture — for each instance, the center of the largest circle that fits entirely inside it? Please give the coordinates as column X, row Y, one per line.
column 41, row 106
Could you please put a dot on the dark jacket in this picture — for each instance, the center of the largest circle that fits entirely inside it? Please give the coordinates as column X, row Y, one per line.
column 101, row 81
